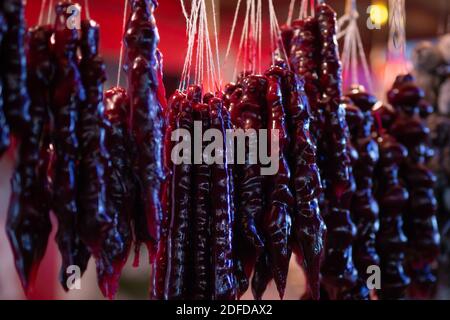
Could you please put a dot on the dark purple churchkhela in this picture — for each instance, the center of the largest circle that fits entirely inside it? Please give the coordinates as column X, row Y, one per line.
column 222, row 217
column 247, row 114
column 364, row 208
column 14, row 67
column 146, row 118
column 305, row 61
column 179, row 240
column 239, row 251
column 99, row 219
column 120, row 191
column 308, row 229
column 392, row 198
column 4, row 126
column 67, row 101
column 161, row 261
column 338, row 270
column 420, row 218
column 247, row 108
column 276, row 222
column 201, row 241
column 28, row 224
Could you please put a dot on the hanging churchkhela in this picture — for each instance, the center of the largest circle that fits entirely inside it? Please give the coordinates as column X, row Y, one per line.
column 364, row 152
column 364, row 207
column 67, row 101
column 420, row 219
column 28, row 224
column 288, row 112
column 146, row 117
column 350, row 189
column 120, row 191
column 4, row 127
column 392, row 198
column 104, row 227
column 314, row 55
column 14, row 70
column 199, row 192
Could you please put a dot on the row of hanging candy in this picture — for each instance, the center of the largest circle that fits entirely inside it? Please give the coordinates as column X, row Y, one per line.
column 393, row 191
column 257, row 213
column 94, row 158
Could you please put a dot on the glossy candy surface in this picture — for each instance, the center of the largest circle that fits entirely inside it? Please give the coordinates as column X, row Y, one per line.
column 392, row 198
column 14, row 70
column 120, row 191
column 338, row 270
column 420, row 219
column 146, row 117
column 28, row 224
column 4, row 126
column 308, row 229
column 67, row 101
column 364, row 206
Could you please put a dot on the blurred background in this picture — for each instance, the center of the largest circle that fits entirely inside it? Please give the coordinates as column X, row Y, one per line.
column 425, row 20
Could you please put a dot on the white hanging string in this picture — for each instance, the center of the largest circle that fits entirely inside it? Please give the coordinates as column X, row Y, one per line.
column 353, row 49
column 397, row 35
column 124, row 21
column 199, row 39
column 233, row 27
column 86, row 9
column 303, row 9
column 49, row 13
column 313, row 7
column 192, row 31
column 396, row 48
column 216, row 38
column 272, row 34
column 276, row 32
column 214, row 72
column 199, row 60
column 188, row 57
column 259, row 33
column 290, row 13
column 41, row 12
column 183, row 9
column 244, row 36
column 363, row 59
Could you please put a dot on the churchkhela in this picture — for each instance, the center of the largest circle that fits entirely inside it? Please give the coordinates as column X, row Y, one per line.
column 28, row 224
column 68, row 98
column 14, row 69
column 314, row 57
column 122, row 167
column 420, row 219
column 120, row 191
column 141, row 39
column 392, row 198
column 4, row 127
column 364, row 207
column 308, row 227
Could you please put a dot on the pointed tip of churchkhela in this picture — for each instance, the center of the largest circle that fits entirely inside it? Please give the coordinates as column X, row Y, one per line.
column 27, row 272
column 109, row 278
column 28, row 246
